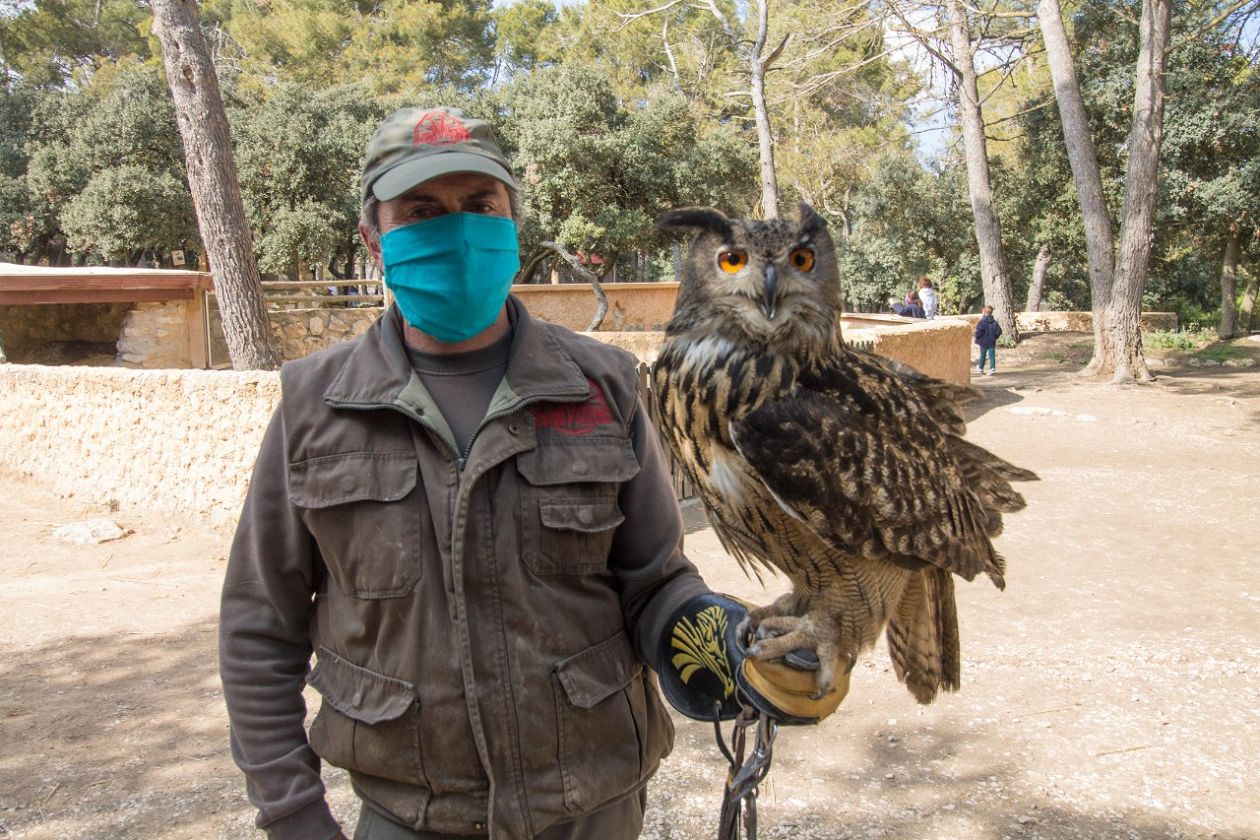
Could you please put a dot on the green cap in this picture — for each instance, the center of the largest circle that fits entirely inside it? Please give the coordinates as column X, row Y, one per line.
column 414, row 145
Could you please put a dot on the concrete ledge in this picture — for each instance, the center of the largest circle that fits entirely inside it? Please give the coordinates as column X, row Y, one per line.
column 940, row 348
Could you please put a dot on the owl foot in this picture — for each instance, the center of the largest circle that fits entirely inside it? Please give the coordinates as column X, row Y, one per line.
column 788, row 636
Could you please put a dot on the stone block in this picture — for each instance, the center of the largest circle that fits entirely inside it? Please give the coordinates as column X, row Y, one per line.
column 316, row 325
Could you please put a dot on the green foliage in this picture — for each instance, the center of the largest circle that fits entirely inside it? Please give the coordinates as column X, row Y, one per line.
column 609, row 120
column 47, row 43
column 106, row 168
column 906, row 222
column 595, row 174
column 1172, row 340
column 298, row 154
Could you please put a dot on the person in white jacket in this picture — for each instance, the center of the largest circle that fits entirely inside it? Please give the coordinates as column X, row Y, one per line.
column 928, row 297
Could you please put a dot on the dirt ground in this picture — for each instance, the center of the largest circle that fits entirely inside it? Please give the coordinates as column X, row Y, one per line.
column 1110, row 692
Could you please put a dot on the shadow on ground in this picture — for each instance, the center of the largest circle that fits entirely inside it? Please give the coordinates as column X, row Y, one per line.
column 99, row 733
column 847, row 780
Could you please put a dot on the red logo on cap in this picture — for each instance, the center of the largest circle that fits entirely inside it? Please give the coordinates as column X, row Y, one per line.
column 437, row 129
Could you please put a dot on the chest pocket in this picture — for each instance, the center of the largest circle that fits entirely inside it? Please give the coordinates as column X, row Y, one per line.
column 364, row 513
column 569, row 502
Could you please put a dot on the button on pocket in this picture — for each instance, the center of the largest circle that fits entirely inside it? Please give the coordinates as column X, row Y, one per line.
column 362, row 509
column 600, row 726
column 367, row 721
column 569, row 512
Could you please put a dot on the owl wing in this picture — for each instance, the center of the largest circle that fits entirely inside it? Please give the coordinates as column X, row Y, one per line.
column 864, row 460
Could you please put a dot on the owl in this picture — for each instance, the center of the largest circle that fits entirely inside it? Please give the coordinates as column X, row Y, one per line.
column 845, row 471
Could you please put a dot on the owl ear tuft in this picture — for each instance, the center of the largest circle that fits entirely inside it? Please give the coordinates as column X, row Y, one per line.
column 810, row 222
column 705, row 218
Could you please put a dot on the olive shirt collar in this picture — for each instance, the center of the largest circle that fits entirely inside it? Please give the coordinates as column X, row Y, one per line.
column 378, row 373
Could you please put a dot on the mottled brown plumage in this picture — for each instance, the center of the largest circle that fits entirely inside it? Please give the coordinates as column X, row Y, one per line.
column 844, row 470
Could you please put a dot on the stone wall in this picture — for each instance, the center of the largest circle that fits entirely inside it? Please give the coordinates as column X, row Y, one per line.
column 182, row 442
column 155, row 335
column 631, row 306
column 302, row 332
column 27, row 329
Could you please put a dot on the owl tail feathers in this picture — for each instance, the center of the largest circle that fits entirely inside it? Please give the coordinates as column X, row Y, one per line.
column 923, row 636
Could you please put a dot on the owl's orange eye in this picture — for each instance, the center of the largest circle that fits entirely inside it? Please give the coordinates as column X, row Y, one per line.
column 732, row 261
column 803, row 259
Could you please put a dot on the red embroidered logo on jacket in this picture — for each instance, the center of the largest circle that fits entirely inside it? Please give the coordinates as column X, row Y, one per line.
column 438, row 129
column 575, row 418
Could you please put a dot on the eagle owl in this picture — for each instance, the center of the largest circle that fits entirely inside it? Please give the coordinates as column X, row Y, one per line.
column 846, row 471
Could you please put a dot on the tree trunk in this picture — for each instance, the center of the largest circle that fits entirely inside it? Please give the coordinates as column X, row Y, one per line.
column 1229, row 284
column 1247, row 312
column 1040, row 267
column 997, row 286
column 765, row 139
column 1084, row 162
column 213, row 182
column 1133, row 257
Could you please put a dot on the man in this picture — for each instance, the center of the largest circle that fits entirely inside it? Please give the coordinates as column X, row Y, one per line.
column 466, row 517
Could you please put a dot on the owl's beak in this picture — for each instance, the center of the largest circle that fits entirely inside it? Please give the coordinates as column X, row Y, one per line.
column 770, row 294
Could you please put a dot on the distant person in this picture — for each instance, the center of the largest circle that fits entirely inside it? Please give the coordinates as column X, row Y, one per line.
column 909, row 306
column 928, row 297
column 988, row 331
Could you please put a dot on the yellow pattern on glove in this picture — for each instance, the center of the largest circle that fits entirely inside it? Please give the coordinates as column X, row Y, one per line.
column 702, row 646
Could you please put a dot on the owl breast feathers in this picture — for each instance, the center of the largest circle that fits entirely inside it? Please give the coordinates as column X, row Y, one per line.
column 846, row 471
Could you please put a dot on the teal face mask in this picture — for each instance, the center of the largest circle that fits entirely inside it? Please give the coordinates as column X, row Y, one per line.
column 450, row 275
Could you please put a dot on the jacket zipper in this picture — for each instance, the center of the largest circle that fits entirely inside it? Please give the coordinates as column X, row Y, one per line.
column 462, row 458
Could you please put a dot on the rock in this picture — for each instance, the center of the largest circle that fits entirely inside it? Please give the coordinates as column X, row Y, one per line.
column 1027, row 820
column 89, row 532
column 1211, row 363
column 1240, row 363
column 1031, row 410
column 316, row 325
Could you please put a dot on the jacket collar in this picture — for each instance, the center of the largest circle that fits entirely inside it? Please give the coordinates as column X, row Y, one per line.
column 377, row 371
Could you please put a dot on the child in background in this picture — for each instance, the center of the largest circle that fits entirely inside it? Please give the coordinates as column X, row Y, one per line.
column 927, row 294
column 988, row 331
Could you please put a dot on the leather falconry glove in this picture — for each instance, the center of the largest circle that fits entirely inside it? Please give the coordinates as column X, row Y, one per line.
column 702, row 664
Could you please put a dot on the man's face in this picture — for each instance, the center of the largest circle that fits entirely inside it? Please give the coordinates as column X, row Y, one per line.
column 462, row 192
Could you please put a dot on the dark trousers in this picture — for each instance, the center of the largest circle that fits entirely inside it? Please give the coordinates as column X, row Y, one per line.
column 622, row 820
column 991, row 352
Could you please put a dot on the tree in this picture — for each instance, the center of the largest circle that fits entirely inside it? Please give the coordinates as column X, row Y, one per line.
column 1121, row 353
column 213, row 182
column 963, row 45
column 597, row 173
column 299, row 154
column 1085, row 170
column 997, row 284
column 105, row 174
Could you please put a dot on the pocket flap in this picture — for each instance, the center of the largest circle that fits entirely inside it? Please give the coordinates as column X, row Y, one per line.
column 597, row 672
column 589, row 516
column 357, row 692
column 589, row 459
column 352, row 477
